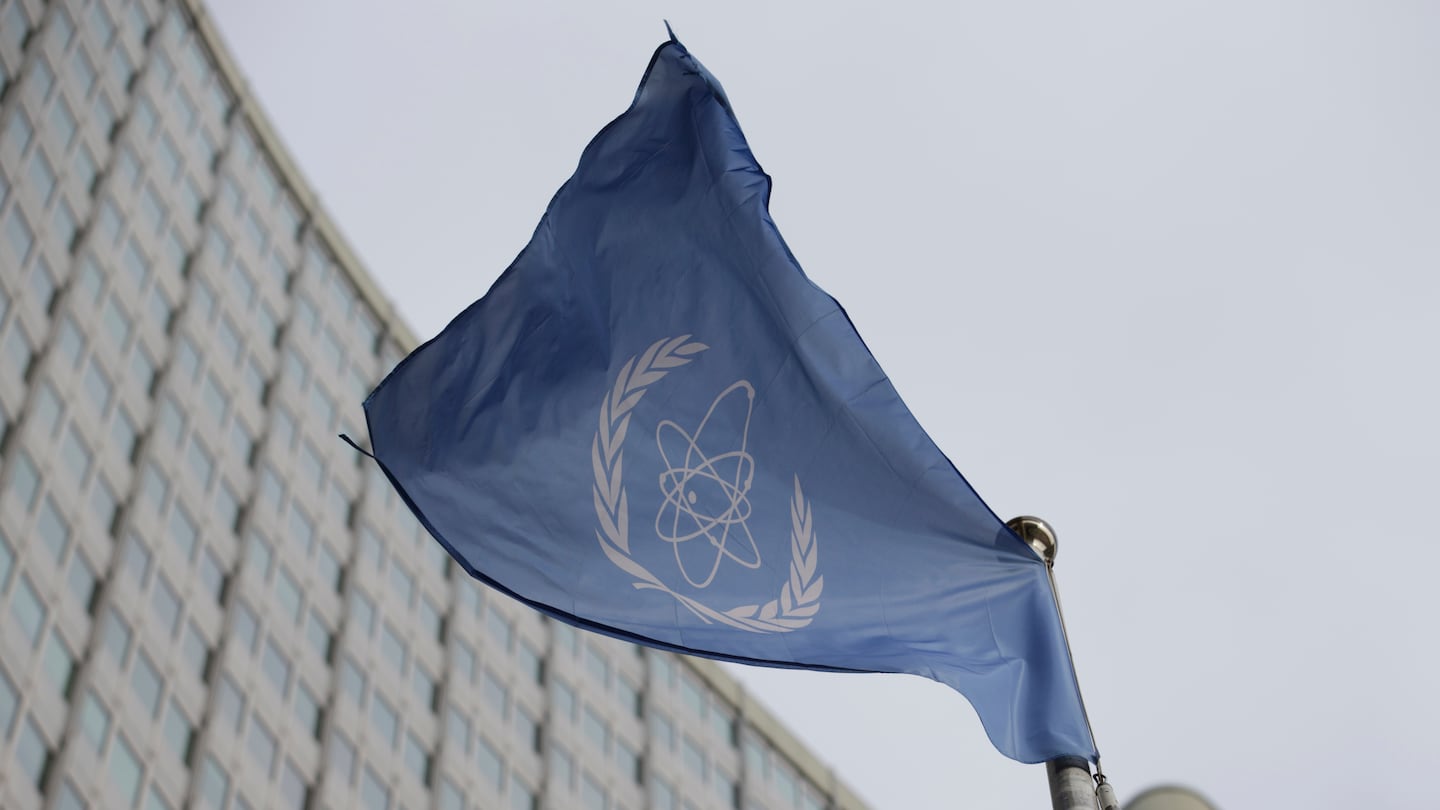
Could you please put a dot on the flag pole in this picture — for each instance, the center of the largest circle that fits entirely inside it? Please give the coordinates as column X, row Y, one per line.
column 1070, row 778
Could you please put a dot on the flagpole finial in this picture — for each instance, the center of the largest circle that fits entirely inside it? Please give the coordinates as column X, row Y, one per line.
column 1037, row 534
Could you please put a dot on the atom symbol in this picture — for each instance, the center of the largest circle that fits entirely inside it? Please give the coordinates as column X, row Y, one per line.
column 706, row 495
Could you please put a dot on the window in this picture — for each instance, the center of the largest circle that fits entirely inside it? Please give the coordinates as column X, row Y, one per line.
column 42, row 283
column 98, row 387
column 662, row 731
column 725, row 788
column 530, row 663
column 94, row 721
column 457, row 728
column 391, row 647
column 229, row 705
column 329, row 567
column 302, row 529
column 31, row 753
column 171, row 421
column 27, row 610
column 694, row 757
column 691, row 694
column 261, row 744
column 7, row 562
column 500, row 629
column 461, row 654
column 320, row 636
column 276, row 666
column 417, row 758
column 307, row 710
column 595, row 729
column 628, row 695
column 362, row 610
column 160, row 309
column 562, row 767
column 258, row 555
column 42, row 175
column 495, row 693
column 69, row 798
column 53, row 529
column 384, row 718
column 137, row 559
column 352, row 680
column 562, row 700
column 21, row 237
column 628, row 760
column 179, row 732
column 424, row 686
column 155, row 487
column 81, row 580
column 182, row 531
column 374, row 794
column 293, row 789
column 146, row 683
column 196, row 649
column 212, row 395
column 125, row 770
column 527, row 730
column 214, row 781
column 24, row 480
column 124, row 435
column 76, row 455
column 521, row 796
column 244, row 627
column 342, row 756
column 287, row 594
column 166, row 604
column 59, row 663
column 489, row 761
column 592, row 796
column 202, row 463
column 212, row 575
column 450, row 796
column 142, row 369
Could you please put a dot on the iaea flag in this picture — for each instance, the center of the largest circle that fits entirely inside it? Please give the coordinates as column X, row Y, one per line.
column 655, row 426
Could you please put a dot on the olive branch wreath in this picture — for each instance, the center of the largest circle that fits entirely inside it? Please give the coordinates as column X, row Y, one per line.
column 799, row 597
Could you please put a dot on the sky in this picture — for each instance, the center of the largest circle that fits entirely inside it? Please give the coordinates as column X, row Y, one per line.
column 1164, row 274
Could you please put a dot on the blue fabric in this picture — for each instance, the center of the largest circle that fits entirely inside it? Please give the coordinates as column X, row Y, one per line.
column 655, row 426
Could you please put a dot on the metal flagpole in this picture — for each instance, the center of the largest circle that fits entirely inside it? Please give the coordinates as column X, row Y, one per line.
column 1070, row 779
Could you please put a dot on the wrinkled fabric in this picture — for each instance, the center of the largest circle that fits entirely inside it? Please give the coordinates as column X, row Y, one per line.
column 654, row 426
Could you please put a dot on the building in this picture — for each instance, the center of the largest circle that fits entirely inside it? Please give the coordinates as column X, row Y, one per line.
column 208, row 601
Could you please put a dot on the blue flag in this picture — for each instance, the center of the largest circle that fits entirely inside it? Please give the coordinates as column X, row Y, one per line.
column 655, row 426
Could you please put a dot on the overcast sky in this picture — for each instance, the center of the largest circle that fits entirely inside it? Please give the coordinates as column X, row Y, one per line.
column 1165, row 274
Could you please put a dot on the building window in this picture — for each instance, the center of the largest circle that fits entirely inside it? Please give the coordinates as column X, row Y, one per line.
column 374, row 793
column 307, row 710
column 491, row 765
column 31, row 753
column 261, row 744
column 27, row 610
column 293, row 788
column 320, row 636
column 384, row 718
column 59, row 663
column 342, row 756
column 146, row 683
column 417, row 758
column 229, row 705
column 52, row 528
column 179, row 732
column 166, row 604
column 214, row 781
column 94, row 721
column 276, row 666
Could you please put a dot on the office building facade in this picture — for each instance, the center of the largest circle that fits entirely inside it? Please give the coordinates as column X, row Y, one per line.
column 206, row 600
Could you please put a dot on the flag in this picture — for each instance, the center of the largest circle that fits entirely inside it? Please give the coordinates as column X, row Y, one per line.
column 655, row 426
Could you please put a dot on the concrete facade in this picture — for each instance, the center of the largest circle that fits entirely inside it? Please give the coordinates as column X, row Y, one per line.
column 206, row 600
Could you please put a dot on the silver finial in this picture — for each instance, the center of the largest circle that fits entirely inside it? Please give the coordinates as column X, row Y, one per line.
column 1037, row 534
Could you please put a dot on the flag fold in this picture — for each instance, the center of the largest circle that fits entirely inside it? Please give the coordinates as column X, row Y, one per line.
column 655, row 426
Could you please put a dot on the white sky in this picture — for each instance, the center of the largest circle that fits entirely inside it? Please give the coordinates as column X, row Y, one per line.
column 1165, row 274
